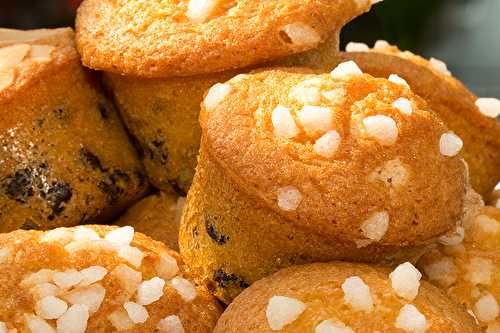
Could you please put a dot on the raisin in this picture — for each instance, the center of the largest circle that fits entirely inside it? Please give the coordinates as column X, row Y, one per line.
column 225, row 280
column 157, row 150
column 90, row 159
column 19, row 186
column 212, row 231
column 57, row 195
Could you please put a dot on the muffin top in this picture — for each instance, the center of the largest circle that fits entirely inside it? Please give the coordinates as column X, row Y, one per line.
column 467, row 266
column 98, row 279
column 343, row 154
column 25, row 55
column 164, row 38
column 344, row 298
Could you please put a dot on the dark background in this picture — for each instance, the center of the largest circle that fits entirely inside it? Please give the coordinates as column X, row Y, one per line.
column 463, row 33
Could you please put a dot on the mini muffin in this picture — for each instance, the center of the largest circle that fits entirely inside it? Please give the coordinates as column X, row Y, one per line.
column 296, row 167
column 157, row 216
column 345, row 298
column 161, row 57
column 471, row 118
column 98, row 279
column 467, row 266
column 65, row 157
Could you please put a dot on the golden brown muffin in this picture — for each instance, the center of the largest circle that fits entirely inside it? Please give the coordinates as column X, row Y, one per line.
column 156, row 216
column 450, row 99
column 98, row 279
column 296, row 168
column 139, row 40
column 467, row 266
column 171, row 38
column 344, row 298
column 65, row 157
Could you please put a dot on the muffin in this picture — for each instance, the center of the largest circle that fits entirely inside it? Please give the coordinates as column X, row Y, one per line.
column 161, row 57
column 467, row 267
column 296, row 167
column 98, row 279
column 156, row 216
column 65, row 158
column 471, row 118
column 344, row 298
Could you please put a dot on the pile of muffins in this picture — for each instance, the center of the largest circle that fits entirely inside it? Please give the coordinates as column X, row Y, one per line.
column 306, row 189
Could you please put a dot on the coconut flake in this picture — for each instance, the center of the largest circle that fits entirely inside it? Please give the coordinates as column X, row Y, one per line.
column 199, row 11
column 167, row 266
column 57, row 235
column 301, row 34
column 450, row 144
column 442, row 271
column 67, row 279
column 128, row 278
column 411, row 320
column 382, row 128
column 381, row 44
column 170, row 324
column 283, row 122
column 289, row 198
column 92, row 274
column 357, row 294
column 486, row 308
column 316, row 118
column 490, row 107
column 150, row 291
column 345, row 70
column 403, row 105
column 11, row 56
column 91, row 296
column 185, row 288
column 136, row 312
column 282, row 310
column 131, row 254
column 120, row 320
column 480, row 271
column 327, row 326
column 328, row 144
column 50, row 307
column 375, row 227
column 38, row 325
column 405, row 281
column 85, row 234
column 394, row 78
column 440, row 66
column 356, row 47
column 74, row 320
column 216, row 95
column 5, row 255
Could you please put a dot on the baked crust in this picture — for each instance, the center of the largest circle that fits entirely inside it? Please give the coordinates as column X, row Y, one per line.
column 450, row 100
column 158, row 39
column 31, row 251
column 318, row 286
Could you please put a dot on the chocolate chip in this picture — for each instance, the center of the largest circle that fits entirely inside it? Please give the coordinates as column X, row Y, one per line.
column 19, row 186
column 57, row 195
column 114, row 184
column 90, row 159
column 225, row 280
column 103, row 111
column 216, row 235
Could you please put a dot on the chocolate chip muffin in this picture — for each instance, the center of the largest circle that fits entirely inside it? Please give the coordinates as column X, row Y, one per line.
column 345, row 298
column 65, row 157
column 98, row 279
column 296, row 167
column 470, row 117
column 161, row 57
column 157, row 216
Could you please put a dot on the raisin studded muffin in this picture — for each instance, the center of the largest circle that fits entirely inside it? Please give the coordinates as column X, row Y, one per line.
column 296, row 167
column 98, row 279
column 160, row 57
column 156, row 216
column 65, row 157
column 345, row 298
column 470, row 117
column 467, row 266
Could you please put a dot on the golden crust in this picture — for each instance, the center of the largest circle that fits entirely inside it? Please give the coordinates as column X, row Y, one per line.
column 469, row 270
column 451, row 100
column 156, row 216
column 157, row 39
column 318, row 286
column 28, row 254
column 336, row 191
column 65, row 156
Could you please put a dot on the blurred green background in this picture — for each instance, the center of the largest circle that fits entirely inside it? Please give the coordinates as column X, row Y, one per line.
column 463, row 33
